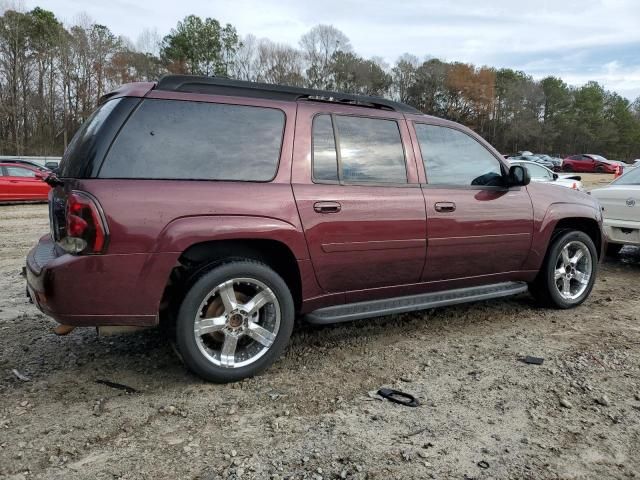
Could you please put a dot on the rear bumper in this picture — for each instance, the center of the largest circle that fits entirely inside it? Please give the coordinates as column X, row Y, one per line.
column 97, row 290
column 622, row 231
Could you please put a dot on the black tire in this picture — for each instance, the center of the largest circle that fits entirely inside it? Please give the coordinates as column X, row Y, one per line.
column 599, row 169
column 613, row 249
column 186, row 341
column 568, row 168
column 544, row 287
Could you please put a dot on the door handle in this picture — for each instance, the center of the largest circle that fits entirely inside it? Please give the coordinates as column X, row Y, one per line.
column 327, row 207
column 445, row 207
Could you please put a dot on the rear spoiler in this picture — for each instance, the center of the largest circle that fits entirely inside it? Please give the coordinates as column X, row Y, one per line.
column 135, row 89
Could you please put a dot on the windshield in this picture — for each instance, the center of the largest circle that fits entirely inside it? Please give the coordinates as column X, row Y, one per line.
column 630, row 178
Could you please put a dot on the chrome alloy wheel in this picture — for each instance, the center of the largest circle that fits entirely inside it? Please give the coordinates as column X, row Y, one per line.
column 237, row 322
column 573, row 270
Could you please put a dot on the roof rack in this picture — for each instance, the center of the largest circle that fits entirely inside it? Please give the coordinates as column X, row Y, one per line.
column 241, row 88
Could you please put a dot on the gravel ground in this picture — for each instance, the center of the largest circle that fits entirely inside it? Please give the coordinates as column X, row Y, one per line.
column 314, row 414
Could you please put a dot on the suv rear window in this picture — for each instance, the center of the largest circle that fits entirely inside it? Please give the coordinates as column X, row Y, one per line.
column 173, row 139
column 85, row 153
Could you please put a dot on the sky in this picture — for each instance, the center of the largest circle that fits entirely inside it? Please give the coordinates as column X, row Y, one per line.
column 575, row 40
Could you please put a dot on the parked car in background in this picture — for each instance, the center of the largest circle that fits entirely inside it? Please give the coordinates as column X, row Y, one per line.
column 621, row 210
column 557, row 162
column 540, row 173
column 52, row 165
column 227, row 208
column 22, row 183
column 530, row 157
column 589, row 163
column 30, row 164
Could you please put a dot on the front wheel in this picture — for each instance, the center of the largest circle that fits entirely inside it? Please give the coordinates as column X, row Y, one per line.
column 235, row 321
column 568, row 272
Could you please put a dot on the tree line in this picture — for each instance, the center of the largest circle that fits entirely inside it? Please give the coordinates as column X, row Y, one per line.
column 52, row 76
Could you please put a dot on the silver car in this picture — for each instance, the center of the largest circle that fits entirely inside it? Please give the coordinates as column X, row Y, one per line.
column 539, row 173
column 621, row 209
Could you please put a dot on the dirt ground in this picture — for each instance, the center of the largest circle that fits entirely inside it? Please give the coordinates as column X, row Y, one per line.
column 483, row 413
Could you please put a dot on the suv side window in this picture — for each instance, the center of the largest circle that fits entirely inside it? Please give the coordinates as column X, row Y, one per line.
column 366, row 150
column 325, row 159
column 173, row 139
column 452, row 157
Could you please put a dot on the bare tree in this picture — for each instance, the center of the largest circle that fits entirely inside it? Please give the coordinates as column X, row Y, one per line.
column 319, row 45
column 277, row 63
column 149, row 41
column 245, row 63
column 404, row 75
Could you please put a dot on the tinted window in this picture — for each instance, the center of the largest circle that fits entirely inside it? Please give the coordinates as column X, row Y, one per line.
column 90, row 143
column 20, row 172
column 190, row 140
column 630, row 178
column 325, row 162
column 370, row 150
column 452, row 157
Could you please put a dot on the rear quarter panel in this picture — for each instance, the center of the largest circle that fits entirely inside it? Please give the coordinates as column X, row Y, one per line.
column 152, row 222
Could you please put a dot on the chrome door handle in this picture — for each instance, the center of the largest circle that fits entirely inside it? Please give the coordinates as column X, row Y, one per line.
column 445, row 207
column 327, row 207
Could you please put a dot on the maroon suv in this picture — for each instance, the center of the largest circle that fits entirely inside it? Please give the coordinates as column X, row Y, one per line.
column 227, row 208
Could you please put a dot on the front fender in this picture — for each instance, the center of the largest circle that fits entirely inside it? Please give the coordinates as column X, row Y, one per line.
column 183, row 232
column 546, row 224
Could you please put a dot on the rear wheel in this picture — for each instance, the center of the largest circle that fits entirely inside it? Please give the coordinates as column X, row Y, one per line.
column 235, row 321
column 568, row 272
column 568, row 168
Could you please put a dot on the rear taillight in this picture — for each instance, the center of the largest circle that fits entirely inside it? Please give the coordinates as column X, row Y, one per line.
column 85, row 229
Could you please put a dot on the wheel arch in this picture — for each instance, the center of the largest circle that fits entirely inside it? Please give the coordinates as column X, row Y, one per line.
column 590, row 226
column 562, row 216
column 202, row 242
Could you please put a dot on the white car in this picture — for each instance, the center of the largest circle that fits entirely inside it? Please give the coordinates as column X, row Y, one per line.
column 538, row 173
column 621, row 210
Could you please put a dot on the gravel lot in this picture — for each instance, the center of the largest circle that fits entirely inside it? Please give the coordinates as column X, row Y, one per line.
column 484, row 413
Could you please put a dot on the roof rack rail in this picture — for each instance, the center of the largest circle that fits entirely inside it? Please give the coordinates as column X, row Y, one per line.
column 241, row 88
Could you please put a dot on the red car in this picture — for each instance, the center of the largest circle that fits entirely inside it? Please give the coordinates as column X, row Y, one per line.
column 225, row 209
column 589, row 163
column 22, row 183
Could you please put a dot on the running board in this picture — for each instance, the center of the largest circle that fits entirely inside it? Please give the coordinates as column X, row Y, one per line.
column 377, row 308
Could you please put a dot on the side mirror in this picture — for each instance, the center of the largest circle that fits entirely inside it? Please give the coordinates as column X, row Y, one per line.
column 518, row 176
column 555, row 176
